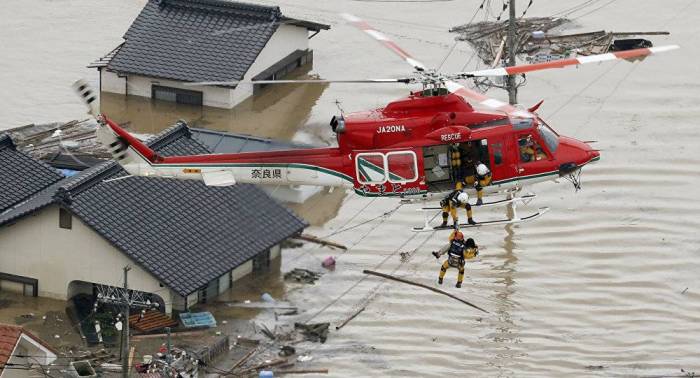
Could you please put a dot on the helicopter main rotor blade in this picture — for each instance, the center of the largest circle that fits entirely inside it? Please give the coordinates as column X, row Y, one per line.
column 515, row 70
column 304, row 81
column 479, row 100
column 384, row 40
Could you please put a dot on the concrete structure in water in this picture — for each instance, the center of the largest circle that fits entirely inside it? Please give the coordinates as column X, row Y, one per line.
column 173, row 42
column 186, row 243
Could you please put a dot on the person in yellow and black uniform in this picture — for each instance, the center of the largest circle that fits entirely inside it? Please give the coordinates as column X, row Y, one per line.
column 528, row 150
column 483, row 178
column 458, row 252
column 451, row 203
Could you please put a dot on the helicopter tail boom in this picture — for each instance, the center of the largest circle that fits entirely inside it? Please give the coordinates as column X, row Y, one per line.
column 315, row 166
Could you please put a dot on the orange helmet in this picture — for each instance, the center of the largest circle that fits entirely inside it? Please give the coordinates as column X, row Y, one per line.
column 459, row 235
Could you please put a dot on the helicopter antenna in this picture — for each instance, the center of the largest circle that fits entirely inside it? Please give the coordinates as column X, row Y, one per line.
column 340, row 108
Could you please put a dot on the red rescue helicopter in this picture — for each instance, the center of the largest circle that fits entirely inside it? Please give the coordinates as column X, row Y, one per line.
column 401, row 150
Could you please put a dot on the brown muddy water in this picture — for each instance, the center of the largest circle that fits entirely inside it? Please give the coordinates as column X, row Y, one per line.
column 604, row 285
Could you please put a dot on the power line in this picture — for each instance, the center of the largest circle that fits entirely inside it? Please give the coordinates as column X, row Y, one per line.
column 577, row 94
column 594, row 10
column 575, row 8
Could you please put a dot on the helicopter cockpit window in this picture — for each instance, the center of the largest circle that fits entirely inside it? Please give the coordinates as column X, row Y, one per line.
column 550, row 138
column 530, row 150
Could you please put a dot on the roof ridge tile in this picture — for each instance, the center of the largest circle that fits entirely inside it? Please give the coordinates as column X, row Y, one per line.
column 6, row 141
column 271, row 13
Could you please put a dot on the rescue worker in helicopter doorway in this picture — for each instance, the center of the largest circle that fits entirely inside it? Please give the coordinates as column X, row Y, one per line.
column 483, row 178
column 458, row 252
column 456, row 199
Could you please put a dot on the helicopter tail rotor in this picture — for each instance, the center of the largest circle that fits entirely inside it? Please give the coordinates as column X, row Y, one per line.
column 83, row 89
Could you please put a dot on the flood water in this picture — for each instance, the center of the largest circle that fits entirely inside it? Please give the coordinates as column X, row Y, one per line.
column 605, row 284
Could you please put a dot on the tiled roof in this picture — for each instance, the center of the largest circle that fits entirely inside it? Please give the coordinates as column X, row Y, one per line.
column 183, row 232
column 198, row 40
column 21, row 176
column 9, row 335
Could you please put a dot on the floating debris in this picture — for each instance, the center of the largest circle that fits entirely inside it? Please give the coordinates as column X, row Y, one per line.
column 302, row 275
column 328, row 263
column 287, row 350
column 314, row 332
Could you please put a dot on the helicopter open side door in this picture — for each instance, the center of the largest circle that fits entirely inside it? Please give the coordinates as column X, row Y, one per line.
column 389, row 172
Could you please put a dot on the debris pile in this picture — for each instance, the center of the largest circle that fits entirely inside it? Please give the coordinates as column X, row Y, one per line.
column 534, row 40
column 45, row 141
column 302, row 275
column 488, row 37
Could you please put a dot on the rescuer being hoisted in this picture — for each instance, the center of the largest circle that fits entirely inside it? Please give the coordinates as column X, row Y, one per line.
column 458, row 251
column 451, row 203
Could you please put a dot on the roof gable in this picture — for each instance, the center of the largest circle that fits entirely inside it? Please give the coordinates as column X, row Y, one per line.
column 9, row 336
column 196, row 40
column 21, row 176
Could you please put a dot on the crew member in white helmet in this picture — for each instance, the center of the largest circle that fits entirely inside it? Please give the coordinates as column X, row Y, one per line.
column 483, row 178
column 451, row 203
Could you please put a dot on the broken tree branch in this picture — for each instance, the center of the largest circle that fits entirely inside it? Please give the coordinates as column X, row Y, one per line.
column 317, row 240
column 262, row 366
column 390, row 277
column 244, row 359
column 349, row 319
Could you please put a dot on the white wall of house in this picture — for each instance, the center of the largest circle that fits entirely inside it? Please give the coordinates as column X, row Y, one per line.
column 112, row 83
column 37, row 247
column 284, row 41
column 137, row 85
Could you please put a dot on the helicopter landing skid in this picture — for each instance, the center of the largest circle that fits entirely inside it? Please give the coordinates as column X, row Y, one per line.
column 525, row 199
column 534, row 216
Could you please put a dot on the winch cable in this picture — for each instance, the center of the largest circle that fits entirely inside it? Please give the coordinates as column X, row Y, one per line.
column 349, row 289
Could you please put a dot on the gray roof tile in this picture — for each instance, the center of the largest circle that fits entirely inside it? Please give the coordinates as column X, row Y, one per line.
column 196, row 40
column 183, row 232
column 21, row 176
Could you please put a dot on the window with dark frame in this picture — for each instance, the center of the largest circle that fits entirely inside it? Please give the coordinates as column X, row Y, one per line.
column 177, row 95
column 65, row 219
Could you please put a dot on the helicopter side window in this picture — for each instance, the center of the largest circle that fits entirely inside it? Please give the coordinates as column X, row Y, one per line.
column 497, row 153
column 371, row 168
column 530, row 150
column 402, row 166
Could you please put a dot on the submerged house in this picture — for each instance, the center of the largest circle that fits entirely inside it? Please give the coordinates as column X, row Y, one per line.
column 173, row 42
column 186, row 242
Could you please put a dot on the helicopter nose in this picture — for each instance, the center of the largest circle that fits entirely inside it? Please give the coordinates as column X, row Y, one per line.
column 593, row 155
column 578, row 152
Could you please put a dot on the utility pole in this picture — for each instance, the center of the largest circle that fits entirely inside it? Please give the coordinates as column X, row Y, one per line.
column 125, row 329
column 512, row 46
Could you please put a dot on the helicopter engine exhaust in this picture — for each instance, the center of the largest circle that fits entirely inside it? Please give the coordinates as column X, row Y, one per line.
column 338, row 124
